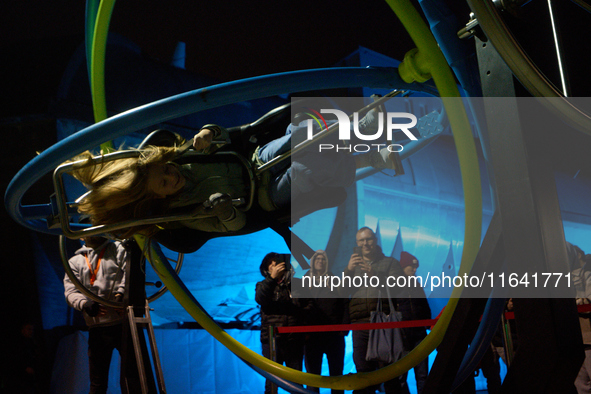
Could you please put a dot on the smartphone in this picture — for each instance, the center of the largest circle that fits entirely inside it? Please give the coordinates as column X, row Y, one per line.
column 285, row 258
column 357, row 250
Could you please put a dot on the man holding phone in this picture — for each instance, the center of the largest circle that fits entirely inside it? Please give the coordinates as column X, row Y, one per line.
column 368, row 260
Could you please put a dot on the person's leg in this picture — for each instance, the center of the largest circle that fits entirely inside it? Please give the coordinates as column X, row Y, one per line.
column 267, row 354
column 335, row 354
column 275, row 148
column 501, row 352
column 281, row 173
column 293, row 351
column 583, row 380
column 414, row 337
column 289, row 351
column 100, row 350
column 397, row 385
column 311, row 171
column 370, row 124
column 294, row 135
column 129, row 379
column 491, row 370
column 421, row 373
column 311, row 168
column 360, row 339
column 313, row 357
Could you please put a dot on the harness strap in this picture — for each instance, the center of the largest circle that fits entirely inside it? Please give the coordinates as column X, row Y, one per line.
column 98, row 264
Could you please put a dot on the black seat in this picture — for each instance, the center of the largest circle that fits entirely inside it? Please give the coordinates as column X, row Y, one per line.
column 161, row 137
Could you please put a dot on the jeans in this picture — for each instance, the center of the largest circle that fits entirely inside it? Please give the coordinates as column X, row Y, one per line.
column 307, row 170
column 421, row 369
column 583, row 380
column 318, row 344
column 101, row 343
column 289, row 350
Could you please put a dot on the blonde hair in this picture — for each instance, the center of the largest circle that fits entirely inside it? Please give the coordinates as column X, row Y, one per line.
column 120, row 191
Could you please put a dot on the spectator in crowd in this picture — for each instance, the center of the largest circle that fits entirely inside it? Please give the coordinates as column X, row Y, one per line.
column 100, row 267
column 504, row 340
column 369, row 260
column 412, row 303
column 325, row 308
column 581, row 279
column 21, row 369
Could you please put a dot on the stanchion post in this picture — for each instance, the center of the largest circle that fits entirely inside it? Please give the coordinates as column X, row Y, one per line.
column 272, row 354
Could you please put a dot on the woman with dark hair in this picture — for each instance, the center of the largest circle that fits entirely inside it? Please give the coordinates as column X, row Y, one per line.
column 279, row 309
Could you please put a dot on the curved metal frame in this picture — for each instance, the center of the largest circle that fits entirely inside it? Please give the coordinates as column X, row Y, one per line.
column 322, row 134
column 62, row 208
column 433, row 62
column 524, row 68
column 177, row 269
column 520, row 64
column 180, row 105
column 469, row 168
column 61, row 203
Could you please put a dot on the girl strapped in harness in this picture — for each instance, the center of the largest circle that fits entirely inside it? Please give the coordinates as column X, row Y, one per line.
column 168, row 179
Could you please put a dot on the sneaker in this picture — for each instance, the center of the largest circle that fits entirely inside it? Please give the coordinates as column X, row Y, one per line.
column 386, row 160
column 370, row 122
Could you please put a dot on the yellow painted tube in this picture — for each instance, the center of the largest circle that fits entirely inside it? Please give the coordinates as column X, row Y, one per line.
column 430, row 61
column 97, row 65
column 346, row 382
column 471, row 179
column 177, row 289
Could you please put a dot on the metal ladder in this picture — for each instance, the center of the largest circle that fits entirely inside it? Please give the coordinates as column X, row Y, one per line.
column 136, row 323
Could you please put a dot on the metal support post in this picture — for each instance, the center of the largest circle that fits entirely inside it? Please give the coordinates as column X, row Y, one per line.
column 550, row 346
